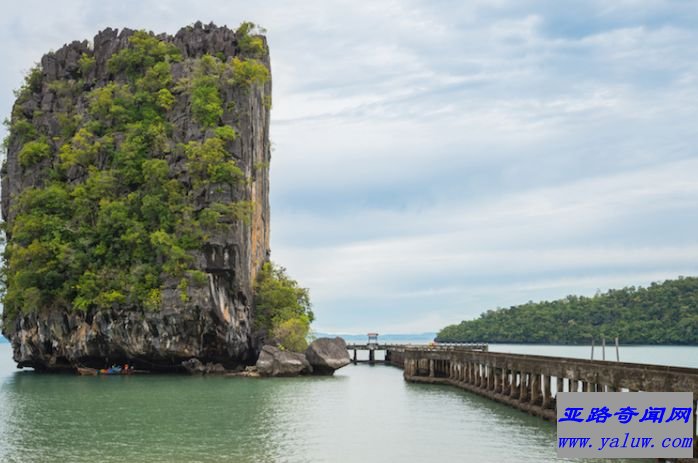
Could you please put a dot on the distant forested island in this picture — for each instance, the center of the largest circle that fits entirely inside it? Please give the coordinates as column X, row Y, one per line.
column 663, row 313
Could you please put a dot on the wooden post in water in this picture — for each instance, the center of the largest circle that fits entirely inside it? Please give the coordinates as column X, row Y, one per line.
column 617, row 354
column 354, row 356
column 371, row 356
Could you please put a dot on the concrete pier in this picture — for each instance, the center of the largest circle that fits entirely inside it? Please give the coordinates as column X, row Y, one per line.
column 531, row 382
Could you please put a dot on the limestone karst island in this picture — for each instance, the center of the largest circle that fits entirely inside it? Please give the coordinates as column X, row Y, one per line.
column 136, row 204
column 462, row 232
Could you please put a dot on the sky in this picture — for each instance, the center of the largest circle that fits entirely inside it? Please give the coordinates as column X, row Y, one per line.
column 434, row 159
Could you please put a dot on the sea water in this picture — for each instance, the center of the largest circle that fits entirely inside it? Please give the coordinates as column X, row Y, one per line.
column 361, row 414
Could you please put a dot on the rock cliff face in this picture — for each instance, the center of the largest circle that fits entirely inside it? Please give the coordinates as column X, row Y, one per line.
column 212, row 320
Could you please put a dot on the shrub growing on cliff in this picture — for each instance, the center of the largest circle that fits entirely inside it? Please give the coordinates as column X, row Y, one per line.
column 211, row 75
column 247, row 72
column 33, row 152
column 282, row 308
column 144, row 52
column 292, row 334
column 251, row 45
column 32, row 84
column 86, row 63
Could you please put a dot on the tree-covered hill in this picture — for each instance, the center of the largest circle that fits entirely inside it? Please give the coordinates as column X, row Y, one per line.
column 663, row 313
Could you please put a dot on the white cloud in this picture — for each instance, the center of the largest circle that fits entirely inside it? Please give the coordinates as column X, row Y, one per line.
column 440, row 159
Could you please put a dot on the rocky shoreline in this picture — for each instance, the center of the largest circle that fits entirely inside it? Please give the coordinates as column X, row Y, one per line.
column 322, row 357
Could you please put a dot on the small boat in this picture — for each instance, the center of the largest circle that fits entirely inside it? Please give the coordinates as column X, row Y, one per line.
column 114, row 370
column 84, row 371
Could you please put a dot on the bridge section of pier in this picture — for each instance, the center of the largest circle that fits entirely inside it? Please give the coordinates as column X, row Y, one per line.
column 388, row 350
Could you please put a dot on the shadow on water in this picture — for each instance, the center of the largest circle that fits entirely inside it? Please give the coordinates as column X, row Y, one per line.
column 362, row 414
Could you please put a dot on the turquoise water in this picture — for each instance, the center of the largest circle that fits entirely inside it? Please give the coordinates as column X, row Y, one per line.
column 362, row 414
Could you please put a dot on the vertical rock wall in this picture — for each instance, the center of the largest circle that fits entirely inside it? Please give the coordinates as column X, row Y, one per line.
column 215, row 322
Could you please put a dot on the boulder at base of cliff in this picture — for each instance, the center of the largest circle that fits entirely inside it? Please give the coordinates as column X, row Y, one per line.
column 196, row 367
column 276, row 362
column 327, row 355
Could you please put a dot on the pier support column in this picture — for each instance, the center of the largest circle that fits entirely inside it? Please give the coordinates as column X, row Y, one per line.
column 560, row 385
column 355, row 357
column 535, row 388
column 546, row 392
column 523, row 387
column 371, row 357
column 491, row 378
column 431, row 368
column 513, row 389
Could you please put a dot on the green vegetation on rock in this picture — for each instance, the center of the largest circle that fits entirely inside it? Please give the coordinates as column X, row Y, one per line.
column 663, row 313
column 113, row 218
column 282, row 308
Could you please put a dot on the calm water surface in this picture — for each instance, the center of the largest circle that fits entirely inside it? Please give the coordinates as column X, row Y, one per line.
column 362, row 414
